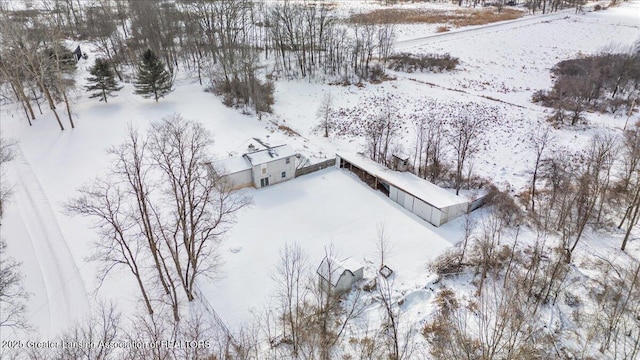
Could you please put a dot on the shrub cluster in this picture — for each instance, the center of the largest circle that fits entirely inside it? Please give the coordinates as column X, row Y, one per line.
column 606, row 83
column 430, row 62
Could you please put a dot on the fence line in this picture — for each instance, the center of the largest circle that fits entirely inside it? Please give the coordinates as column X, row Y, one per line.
column 476, row 203
column 315, row 167
column 207, row 306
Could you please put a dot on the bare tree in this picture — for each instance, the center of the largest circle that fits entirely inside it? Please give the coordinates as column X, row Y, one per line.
column 634, row 214
column 464, row 135
column 397, row 337
column 13, row 73
column 324, row 114
column 166, row 235
column 98, row 330
column 469, row 225
column 383, row 245
column 592, row 181
column 292, row 291
column 25, row 42
column 381, row 129
column 13, row 296
column 619, row 296
column 487, row 246
column 201, row 204
column 429, row 141
column 631, row 150
column 6, row 155
column 120, row 243
column 540, row 139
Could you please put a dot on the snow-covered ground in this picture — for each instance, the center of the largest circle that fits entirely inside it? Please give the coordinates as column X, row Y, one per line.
column 506, row 63
column 331, row 207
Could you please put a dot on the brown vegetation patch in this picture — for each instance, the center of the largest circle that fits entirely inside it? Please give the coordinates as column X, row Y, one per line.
column 457, row 18
column 287, row 130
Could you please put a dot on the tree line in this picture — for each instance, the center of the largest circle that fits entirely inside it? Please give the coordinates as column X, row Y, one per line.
column 448, row 135
column 233, row 47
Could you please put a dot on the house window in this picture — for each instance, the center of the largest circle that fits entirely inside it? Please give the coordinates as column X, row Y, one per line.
column 264, row 169
column 284, row 174
column 287, row 160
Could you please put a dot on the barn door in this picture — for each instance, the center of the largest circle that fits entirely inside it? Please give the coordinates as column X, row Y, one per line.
column 401, row 197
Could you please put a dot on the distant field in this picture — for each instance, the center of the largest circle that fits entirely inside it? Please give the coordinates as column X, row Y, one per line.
column 457, row 18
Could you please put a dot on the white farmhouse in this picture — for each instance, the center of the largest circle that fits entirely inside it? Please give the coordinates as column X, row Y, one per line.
column 259, row 168
column 339, row 276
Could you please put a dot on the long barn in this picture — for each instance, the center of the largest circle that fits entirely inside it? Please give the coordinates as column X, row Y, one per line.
column 423, row 198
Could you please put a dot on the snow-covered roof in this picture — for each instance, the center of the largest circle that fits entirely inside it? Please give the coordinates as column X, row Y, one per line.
column 231, row 165
column 332, row 269
column 270, row 154
column 251, row 145
column 408, row 182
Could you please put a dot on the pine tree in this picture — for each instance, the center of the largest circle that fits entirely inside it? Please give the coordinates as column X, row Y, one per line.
column 153, row 79
column 103, row 81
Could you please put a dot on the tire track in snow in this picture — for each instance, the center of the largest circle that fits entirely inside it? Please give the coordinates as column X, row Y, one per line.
column 65, row 290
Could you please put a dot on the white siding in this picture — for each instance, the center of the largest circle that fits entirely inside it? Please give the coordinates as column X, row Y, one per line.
column 423, row 209
column 274, row 171
column 345, row 282
column 419, row 207
column 401, row 196
column 241, row 179
column 358, row 274
column 436, row 217
column 408, row 202
column 393, row 193
column 454, row 211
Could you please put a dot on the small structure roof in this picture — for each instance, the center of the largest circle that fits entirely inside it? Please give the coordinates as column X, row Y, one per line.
column 385, row 271
column 270, row 154
column 408, row 182
column 331, row 268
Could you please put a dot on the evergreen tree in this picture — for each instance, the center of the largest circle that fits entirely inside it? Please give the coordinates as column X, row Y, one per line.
column 103, row 81
column 153, row 79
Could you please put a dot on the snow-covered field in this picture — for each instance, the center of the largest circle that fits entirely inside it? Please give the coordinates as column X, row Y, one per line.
column 501, row 65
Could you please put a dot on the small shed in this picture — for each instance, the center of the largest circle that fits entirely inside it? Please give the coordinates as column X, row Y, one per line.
column 400, row 163
column 339, row 276
column 77, row 54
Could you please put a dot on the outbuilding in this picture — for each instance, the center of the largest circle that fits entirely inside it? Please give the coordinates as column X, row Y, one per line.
column 339, row 276
column 419, row 196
